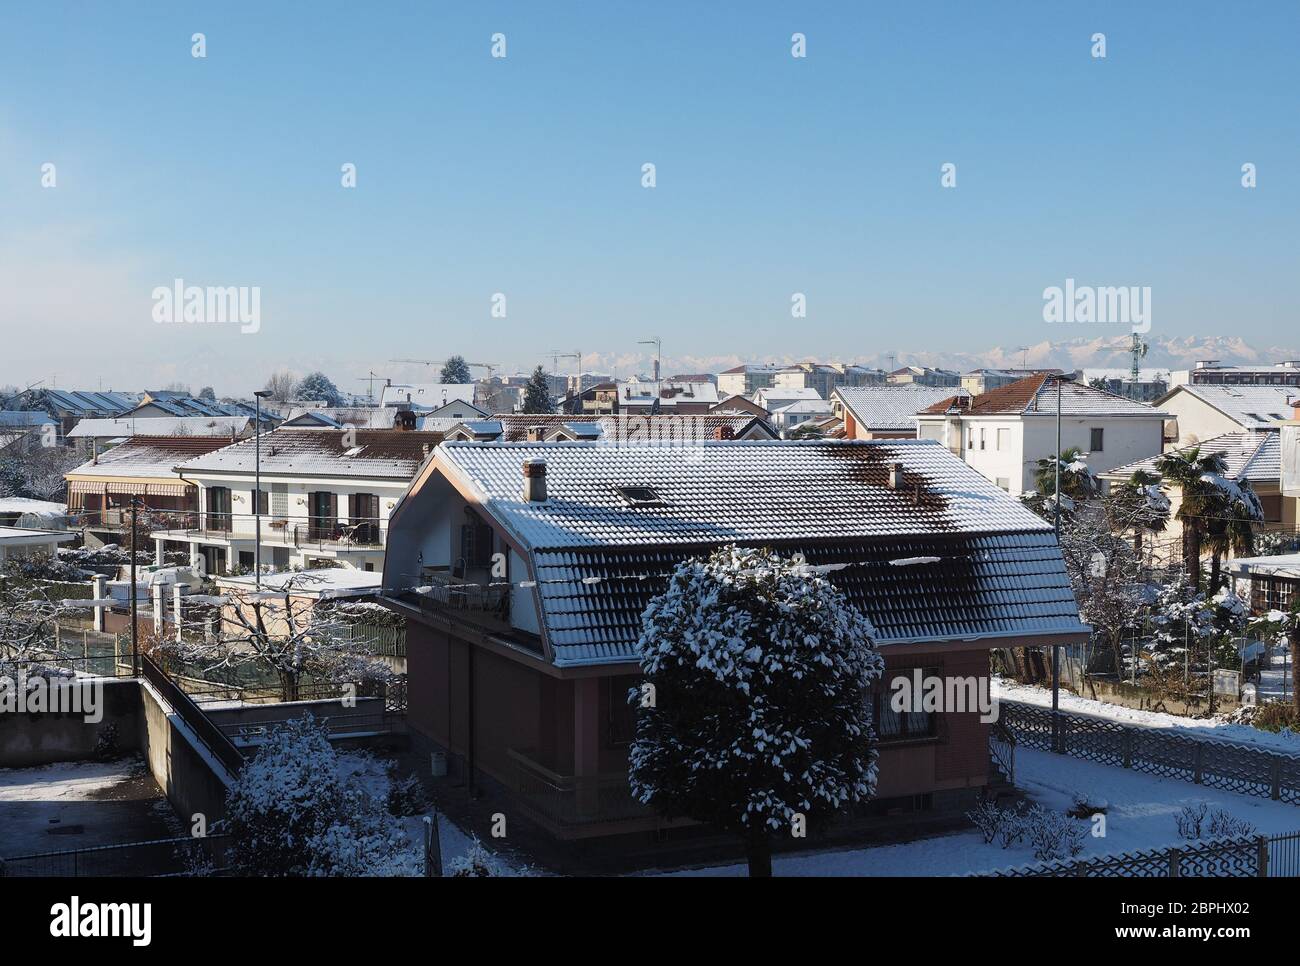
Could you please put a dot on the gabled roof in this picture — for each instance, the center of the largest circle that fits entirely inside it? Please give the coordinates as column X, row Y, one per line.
column 1253, row 407
column 226, row 426
column 86, row 403
column 373, row 454
column 622, row 427
column 336, row 417
column 1036, row 395
column 1253, row 456
column 149, row 456
column 24, row 418
column 890, row 407
column 427, row 395
column 948, row 556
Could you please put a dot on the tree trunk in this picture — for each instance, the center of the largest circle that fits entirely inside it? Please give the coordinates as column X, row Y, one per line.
column 1295, row 656
column 1192, row 554
column 1216, row 562
column 1137, row 542
column 759, row 852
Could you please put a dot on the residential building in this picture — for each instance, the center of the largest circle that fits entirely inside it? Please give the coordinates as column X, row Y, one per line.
column 623, row 428
column 1200, row 412
column 1252, row 456
column 979, row 381
column 163, row 403
column 21, row 543
column 100, row 490
column 791, row 416
column 325, row 499
column 595, row 400
column 924, row 376
column 68, row 406
column 739, row 404
column 639, row 395
column 825, row 377
column 747, row 379
column 1150, row 386
column 427, row 396
column 1004, row 433
column 523, row 570
column 777, row 397
column 885, row 412
column 1210, row 372
column 100, row 434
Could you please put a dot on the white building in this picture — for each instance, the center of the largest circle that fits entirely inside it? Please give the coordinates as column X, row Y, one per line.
column 1004, row 433
column 326, row 496
column 1200, row 412
column 16, row 542
column 426, row 395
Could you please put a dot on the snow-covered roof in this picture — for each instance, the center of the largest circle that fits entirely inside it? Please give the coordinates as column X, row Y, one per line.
column 367, row 453
column 979, row 564
column 159, row 426
column 621, row 427
column 148, row 456
column 336, row 417
column 325, row 582
column 24, row 418
column 427, row 395
column 1254, row 407
column 1252, row 456
column 21, row 536
column 1278, row 565
column 890, row 407
column 1036, row 395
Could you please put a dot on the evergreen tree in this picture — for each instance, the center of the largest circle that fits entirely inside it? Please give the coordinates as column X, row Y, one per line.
column 755, row 713
column 455, row 371
column 537, row 394
column 317, row 385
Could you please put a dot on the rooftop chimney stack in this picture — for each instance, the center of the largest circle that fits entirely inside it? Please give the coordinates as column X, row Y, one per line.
column 895, row 476
column 535, row 480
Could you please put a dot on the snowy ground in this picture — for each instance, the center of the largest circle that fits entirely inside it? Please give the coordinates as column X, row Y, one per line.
column 1140, row 815
column 1214, row 728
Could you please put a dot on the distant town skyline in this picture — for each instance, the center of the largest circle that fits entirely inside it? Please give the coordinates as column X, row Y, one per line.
column 501, row 207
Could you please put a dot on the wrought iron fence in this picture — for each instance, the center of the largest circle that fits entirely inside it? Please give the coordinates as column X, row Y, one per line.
column 1245, row 856
column 1217, row 764
column 157, row 857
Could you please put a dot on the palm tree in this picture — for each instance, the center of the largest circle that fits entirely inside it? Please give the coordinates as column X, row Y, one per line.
column 1137, row 504
column 1202, row 499
column 1077, row 481
column 1234, row 531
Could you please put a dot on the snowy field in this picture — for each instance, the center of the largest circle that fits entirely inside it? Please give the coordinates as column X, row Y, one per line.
column 1140, row 815
column 1284, row 741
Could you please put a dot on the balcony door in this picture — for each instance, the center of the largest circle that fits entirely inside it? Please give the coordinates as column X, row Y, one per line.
column 322, row 515
column 218, row 508
column 363, row 516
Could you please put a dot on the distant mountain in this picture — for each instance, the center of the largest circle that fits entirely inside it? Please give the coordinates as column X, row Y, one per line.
column 1102, row 352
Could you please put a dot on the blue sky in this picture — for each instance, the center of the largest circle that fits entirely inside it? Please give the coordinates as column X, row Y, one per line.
column 523, row 176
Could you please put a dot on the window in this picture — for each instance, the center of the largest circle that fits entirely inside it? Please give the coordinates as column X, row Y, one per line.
column 363, row 517
column 322, row 515
column 983, row 435
column 894, row 725
column 1004, row 482
column 1095, row 443
column 260, row 502
column 640, row 495
column 1004, row 439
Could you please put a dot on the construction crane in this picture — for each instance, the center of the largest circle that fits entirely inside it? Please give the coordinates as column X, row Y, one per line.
column 489, row 366
column 557, row 355
column 1138, row 350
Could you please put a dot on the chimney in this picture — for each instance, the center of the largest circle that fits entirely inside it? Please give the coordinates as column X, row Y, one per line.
column 536, row 434
column 895, row 476
column 724, row 432
column 404, row 420
column 535, row 480
column 425, row 450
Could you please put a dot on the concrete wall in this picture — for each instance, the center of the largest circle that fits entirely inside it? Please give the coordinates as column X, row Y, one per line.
column 45, row 737
column 193, row 781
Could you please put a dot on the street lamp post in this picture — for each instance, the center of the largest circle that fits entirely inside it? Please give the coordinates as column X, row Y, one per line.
column 257, row 489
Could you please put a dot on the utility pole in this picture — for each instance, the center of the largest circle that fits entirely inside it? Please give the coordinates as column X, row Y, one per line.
column 135, row 627
column 257, row 492
column 1056, row 525
column 659, row 355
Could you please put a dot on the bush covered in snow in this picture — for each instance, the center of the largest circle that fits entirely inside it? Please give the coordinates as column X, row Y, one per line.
column 1197, row 821
column 406, row 797
column 1053, row 835
column 291, row 813
column 476, row 863
column 1191, row 819
column 756, row 713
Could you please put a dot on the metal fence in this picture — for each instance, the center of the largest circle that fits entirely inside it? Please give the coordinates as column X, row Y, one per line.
column 158, row 857
column 1236, row 768
column 1246, row 856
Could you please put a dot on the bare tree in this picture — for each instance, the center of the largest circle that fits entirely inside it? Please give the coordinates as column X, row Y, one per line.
column 281, row 385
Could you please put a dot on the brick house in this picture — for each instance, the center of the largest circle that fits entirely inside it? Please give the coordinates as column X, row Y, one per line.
column 523, row 569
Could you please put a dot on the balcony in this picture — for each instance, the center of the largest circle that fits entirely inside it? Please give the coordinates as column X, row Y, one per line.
column 442, row 589
column 300, row 533
column 572, row 806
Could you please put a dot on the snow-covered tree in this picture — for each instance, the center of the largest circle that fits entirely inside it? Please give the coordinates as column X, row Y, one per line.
column 208, row 393
column 281, row 384
column 278, row 630
column 28, row 632
column 1138, row 506
column 293, row 812
column 317, row 385
column 537, row 393
column 755, row 711
column 1077, row 481
column 455, row 371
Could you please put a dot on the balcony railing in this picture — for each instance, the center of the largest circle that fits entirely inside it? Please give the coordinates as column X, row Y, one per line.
column 282, row 531
column 455, row 593
column 570, row 801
